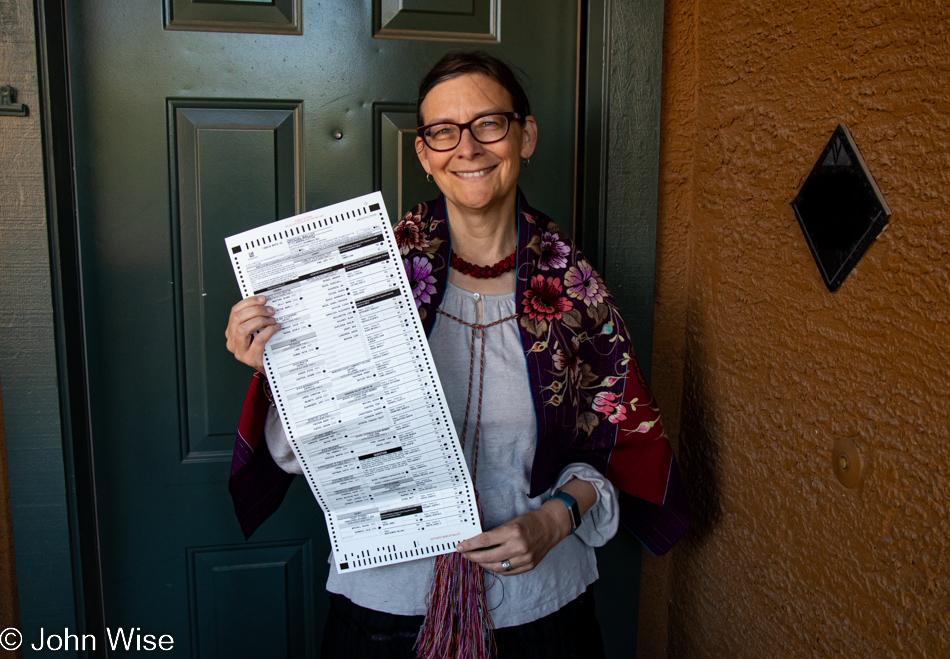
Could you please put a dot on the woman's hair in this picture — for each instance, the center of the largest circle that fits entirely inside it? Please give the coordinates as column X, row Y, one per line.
column 460, row 62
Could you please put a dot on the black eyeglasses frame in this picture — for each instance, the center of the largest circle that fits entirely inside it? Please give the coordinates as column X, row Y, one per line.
column 510, row 116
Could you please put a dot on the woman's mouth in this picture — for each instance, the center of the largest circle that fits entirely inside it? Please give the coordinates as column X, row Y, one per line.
column 478, row 174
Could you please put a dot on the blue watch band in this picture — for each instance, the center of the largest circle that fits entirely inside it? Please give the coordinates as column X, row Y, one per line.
column 572, row 508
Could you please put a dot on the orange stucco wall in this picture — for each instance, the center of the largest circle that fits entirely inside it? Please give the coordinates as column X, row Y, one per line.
column 759, row 369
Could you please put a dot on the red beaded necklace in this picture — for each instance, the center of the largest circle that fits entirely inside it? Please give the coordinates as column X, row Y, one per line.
column 483, row 271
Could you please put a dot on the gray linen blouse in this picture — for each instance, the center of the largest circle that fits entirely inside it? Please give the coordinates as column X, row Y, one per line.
column 506, row 453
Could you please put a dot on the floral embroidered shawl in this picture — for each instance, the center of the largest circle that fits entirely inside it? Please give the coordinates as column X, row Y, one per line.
column 591, row 402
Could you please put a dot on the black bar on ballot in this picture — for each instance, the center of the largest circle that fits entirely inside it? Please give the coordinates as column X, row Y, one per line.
column 379, row 297
column 401, row 512
column 365, row 242
column 309, row 275
column 369, row 260
column 380, row 453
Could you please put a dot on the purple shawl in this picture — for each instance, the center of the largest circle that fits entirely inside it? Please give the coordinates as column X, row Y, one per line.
column 591, row 402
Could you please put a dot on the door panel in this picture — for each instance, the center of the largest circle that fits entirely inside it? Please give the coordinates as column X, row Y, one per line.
column 438, row 20
column 183, row 137
column 277, row 574
column 275, row 17
column 397, row 172
column 235, row 165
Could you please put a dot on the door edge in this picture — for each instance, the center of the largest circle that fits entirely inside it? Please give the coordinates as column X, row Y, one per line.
column 69, row 336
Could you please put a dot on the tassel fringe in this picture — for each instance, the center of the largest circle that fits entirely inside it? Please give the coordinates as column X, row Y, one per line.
column 458, row 624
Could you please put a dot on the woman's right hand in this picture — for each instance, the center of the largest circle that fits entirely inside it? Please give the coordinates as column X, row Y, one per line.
column 248, row 316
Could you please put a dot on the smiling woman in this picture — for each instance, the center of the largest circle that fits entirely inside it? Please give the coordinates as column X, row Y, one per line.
column 479, row 178
column 548, row 446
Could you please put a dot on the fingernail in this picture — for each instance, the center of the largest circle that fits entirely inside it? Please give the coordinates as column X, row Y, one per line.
column 269, row 309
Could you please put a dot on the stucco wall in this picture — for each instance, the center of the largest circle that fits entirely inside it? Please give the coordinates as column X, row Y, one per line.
column 675, row 215
column 760, row 369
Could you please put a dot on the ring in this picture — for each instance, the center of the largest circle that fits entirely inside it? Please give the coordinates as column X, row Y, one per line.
column 506, row 565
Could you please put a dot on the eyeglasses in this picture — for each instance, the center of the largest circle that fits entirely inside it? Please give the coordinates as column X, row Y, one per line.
column 488, row 128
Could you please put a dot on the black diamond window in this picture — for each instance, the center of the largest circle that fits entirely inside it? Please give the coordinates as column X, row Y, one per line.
column 840, row 209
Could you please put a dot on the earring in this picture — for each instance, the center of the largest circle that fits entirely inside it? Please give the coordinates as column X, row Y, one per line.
column 429, row 178
column 526, row 162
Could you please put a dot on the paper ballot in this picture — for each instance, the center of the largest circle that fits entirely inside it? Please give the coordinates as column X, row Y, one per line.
column 355, row 385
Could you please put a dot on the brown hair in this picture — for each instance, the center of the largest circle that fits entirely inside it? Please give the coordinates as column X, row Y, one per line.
column 460, row 62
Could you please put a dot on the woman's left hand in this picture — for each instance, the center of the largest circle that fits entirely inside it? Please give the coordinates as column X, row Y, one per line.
column 523, row 541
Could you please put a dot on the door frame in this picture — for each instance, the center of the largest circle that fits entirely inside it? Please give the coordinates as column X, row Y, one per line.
column 616, row 41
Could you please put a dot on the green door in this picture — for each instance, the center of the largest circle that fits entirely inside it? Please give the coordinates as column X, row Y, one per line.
column 201, row 119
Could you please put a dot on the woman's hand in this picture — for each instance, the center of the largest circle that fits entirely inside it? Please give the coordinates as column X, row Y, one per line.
column 248, row 316
column 528, row 538
column 523, row 541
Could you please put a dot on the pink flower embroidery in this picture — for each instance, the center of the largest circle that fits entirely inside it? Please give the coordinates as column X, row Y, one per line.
column 608, row 404
column 409, row 233
column 543, row 301
column 618, row 415
column 419, row 271
column 585, row 284
column 645, row 426
column 553, row 252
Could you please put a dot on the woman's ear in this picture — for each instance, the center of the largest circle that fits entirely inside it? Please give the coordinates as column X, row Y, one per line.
column 529, row 137
column 423, row 154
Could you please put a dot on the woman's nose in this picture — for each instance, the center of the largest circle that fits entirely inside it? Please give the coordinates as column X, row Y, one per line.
column 468, row 145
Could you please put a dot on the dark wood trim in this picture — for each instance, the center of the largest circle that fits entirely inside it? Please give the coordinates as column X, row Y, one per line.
column 593, row 121
column 617, row 211
column 53, row 73
column 631, row 139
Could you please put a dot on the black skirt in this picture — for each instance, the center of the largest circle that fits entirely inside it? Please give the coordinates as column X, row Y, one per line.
column 354, row 632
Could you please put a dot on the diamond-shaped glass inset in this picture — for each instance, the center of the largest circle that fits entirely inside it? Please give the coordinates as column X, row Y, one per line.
column 840, row 208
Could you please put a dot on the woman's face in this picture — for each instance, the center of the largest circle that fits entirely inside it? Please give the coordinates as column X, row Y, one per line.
column 475, row 176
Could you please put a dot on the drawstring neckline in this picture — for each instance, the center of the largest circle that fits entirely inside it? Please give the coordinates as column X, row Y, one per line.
column 478, row 330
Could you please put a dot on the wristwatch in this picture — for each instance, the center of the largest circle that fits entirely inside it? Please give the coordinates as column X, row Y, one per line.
column 572, row 508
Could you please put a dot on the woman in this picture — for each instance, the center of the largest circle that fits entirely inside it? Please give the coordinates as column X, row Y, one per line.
column 498, row 282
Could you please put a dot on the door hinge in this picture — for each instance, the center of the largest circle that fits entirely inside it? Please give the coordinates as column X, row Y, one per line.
column 7, row 104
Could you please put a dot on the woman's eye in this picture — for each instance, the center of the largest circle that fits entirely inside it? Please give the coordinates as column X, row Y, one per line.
column 441, row 131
